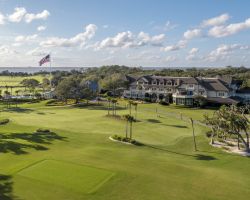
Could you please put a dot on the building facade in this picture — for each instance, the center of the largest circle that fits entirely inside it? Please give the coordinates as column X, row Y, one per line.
column 183, row 90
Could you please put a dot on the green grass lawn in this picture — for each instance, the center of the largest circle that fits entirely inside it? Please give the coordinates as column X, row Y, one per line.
column 78, row 161
column 16, row 80
column 73, row 177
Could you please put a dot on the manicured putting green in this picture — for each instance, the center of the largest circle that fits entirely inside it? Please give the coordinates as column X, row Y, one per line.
column 78, row 178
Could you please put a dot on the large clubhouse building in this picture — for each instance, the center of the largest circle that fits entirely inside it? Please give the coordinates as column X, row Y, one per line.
column 183, row 90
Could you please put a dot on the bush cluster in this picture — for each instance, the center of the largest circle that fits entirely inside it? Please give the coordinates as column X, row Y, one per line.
column 124, row 139
column 164, row 103
column 42, row 130
column 4, row 121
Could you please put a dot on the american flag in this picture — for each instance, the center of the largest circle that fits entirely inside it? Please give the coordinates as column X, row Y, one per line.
column 44, row 60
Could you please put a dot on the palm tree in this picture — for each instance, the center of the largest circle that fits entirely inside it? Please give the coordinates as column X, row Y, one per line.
column 126, row 117
column 130, row 119
column 130, row 103
column 135, row 104
column 114, row 102
column 109, row 101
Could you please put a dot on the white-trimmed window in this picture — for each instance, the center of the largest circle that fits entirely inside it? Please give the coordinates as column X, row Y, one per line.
column 221, row 94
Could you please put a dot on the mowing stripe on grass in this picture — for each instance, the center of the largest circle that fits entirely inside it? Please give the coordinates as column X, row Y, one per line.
column 74, row 177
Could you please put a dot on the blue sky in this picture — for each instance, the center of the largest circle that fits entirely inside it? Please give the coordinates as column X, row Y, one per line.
column 159, row 33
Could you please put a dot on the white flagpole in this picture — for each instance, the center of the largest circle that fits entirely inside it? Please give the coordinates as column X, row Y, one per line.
column 50, row 71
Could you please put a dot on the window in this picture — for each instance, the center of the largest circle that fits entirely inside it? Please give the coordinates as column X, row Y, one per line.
column 190, row 85
column 154, row 82
column 169, row 83
column 201, row 92
column 221, row 94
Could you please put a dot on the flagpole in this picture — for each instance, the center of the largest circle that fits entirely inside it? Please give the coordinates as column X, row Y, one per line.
column 50, row 72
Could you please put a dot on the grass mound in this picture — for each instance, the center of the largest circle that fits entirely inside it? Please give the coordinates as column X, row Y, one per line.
column 77, row 178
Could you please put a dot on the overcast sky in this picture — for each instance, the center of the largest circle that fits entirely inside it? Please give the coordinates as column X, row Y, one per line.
column 149, row 33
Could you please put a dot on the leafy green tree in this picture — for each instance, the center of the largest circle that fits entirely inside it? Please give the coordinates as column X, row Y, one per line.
column 72, row 88
column 113, row 82
column 200, row 101
column 229, row 121
column 30, row 83
column 45, row 84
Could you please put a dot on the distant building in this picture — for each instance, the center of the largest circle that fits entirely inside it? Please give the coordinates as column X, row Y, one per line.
column 183, row 90
column 92, row 85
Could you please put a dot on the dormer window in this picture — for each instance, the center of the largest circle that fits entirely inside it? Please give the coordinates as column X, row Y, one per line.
column 154, row 83
column 169, row 83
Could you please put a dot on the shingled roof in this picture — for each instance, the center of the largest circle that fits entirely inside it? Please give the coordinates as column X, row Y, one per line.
column 214, row 84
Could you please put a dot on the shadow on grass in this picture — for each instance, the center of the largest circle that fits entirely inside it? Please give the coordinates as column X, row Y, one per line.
column 34, row 141
column 40, row 113
column 6, row 188
column 205, row 157
column 154, row 121
column 196, row 156
column 96, row 107
column 176, row 126
column 18, row 110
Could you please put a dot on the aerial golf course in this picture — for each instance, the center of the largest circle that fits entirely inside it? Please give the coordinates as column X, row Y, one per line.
column 73, row 158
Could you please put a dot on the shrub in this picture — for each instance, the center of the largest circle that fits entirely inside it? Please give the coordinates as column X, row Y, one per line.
column 147, row 99
column 209, row 134
column 4, row 121
column 164, row 103
column 41, row 130
column 124, row 139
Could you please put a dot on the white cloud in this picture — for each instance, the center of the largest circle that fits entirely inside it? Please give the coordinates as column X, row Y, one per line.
column 37, row 52
column 190, row 34
column 124, row 39
column 223, row 31
column 79, row 39
column 105, row 26
column 29, row 17
column 17, row 15
column 20, row 14
column 41, row 28
column 180, row 45
column 129, row 40
column 193, row 51
column 170, row 59
column 216, row 21
column 6, row 50
column 145, row 38
column 2, row 19
column 223, row 51
column 192, row 54
column 28, row 38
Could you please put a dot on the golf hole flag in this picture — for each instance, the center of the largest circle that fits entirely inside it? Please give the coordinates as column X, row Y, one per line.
column 44, row 60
